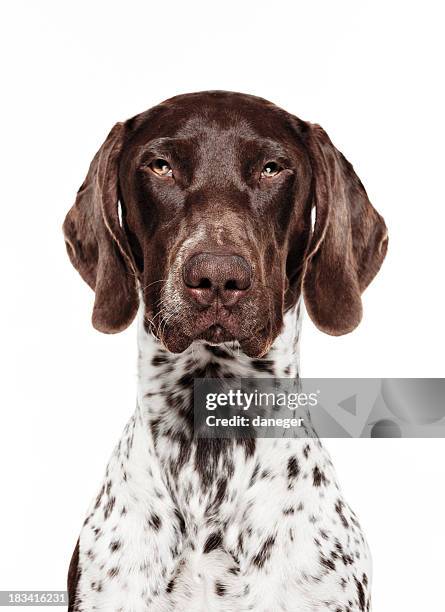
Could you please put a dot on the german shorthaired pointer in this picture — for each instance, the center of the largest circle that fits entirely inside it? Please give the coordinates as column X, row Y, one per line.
column 198, row 213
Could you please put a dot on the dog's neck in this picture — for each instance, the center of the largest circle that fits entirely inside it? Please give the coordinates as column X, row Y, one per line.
column 164, row 422
column 161, row 373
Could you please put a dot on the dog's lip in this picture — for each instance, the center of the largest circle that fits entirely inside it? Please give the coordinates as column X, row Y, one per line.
column 220, row 327
column 215, row 334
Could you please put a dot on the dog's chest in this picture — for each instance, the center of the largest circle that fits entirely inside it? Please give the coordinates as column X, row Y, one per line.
column 192, row 524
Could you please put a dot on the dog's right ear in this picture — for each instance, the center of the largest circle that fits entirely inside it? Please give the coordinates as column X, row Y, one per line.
column 96, row 243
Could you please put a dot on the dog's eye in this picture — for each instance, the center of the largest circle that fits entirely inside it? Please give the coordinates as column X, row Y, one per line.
column 270, row 170
column 161, row 167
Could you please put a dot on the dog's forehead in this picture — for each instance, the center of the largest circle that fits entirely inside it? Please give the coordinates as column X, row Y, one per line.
column 216, row 116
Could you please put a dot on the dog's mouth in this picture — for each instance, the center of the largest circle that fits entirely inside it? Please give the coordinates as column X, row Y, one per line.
column 213, row 328
column 216, row 334
column 255, row 345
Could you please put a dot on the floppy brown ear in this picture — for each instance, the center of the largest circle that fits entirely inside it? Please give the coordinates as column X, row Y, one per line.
column 96, row 243
column 349, row 240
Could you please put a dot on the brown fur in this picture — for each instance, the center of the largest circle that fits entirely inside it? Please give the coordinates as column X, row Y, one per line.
column 73, row 577
column 97, row 246
column 349, row 242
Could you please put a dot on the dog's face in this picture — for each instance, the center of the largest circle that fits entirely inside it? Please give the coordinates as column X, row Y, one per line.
column 216, row 191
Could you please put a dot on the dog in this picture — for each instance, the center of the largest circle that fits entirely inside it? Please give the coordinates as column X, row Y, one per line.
column 214, row 215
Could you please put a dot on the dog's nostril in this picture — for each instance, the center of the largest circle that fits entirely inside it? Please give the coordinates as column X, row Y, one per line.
column 231, row 285
column 204, row 283
column 200, row 283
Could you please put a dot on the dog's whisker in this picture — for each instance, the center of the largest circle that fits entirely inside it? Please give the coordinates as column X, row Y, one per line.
column 162, row 280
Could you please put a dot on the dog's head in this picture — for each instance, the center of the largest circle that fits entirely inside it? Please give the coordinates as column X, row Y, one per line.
column 204, row 204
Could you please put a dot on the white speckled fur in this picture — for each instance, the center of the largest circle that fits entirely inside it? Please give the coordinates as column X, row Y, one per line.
column 283, row 538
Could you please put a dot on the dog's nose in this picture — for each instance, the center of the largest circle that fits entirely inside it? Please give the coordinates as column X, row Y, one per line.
column 208, row 277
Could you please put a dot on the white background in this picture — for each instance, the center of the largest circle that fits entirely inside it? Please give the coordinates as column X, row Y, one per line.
column 370, row 73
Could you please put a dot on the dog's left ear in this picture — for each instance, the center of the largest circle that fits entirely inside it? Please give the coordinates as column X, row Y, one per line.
column 349, row 240
column 96, row 243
